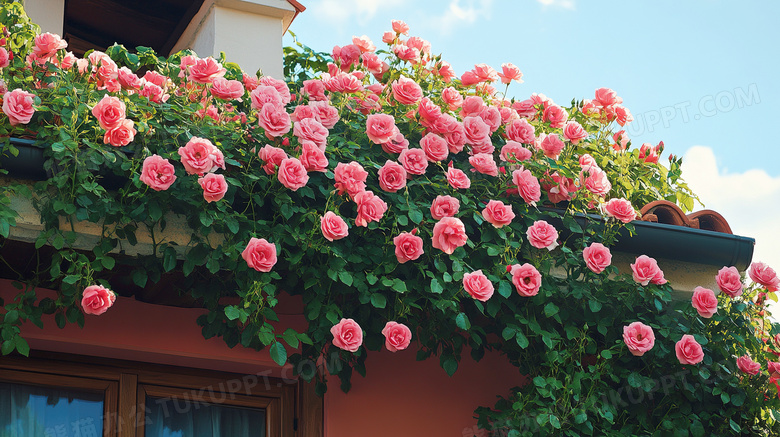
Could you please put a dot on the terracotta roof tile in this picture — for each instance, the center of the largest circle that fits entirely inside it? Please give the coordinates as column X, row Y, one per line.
column 662, row 211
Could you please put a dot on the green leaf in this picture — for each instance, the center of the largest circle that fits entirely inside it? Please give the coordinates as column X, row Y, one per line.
column 291, row 337
column 735, row 426
column 108, row 262
column 634, row 380
column 140, row 277
column 508, row 332
column 399, row 286
column 462, row 321
column 278, row 353
column 416, row 216
column 697, row 429
column 22, row 346
column 11, row 317
column 378, row 300
column 169, row 259
column 436, row 286
column 550, row 309
column 738, row 399
column 725, row 398
column 232, row 313
column 504, row 289
column 595, row 306
column 346, row 277
column 522, row 341
column 555, row 422
column 606, row 354
column 450, row 365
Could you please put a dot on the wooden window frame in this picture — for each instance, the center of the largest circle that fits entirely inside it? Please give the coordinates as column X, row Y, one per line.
column 292, row 407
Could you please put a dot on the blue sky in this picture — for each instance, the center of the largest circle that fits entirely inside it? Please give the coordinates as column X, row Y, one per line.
column 701, row 75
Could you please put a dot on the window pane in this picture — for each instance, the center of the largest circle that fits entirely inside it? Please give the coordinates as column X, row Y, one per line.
column 172, row 417
column 27, row 411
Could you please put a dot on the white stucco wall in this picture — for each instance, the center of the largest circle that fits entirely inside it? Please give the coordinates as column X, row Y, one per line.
column 49, row 14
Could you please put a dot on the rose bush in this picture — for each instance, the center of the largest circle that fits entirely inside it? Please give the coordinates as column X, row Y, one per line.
column 411, row 209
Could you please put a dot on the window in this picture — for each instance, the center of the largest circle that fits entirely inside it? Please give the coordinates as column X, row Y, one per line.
column 73, row 397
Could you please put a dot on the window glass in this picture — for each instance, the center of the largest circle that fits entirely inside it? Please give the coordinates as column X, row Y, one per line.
column 27, row 410
column 172, row 417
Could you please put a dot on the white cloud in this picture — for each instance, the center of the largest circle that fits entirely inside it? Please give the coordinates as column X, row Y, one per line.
column 338, row 12
column 749, row 201
column 460, row 12
column 564, row 4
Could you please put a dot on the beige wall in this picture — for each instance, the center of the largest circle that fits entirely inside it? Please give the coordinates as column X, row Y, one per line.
column 49, row 14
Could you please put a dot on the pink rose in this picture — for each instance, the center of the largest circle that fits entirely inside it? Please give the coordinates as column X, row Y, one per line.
column 444, row 206
column 747, row 365
column 606, row 97
column 153, row 92
column 206, row 70
column 312, row 130
column 400, row 27
column 597, row 257
column 773, row 368
column 620, row 209
column 406, row 91
column 645, row 270
column 429, row 112
column 312, row 158
column 555, row 115
column 639, row 338
column 408, row 247
column 452, row 98
column 273, row 157
column 435, row 147
column 449, row 233
column 414, row 161
column 472, row 106
column 484, row 163
column 596, row 182
column 347, row 335
column 525, row 108
column 514, row 152
column 380, row 128
column 397, row 143
column 509, row 73
column 729, row 281
column 552, row 146
column 274, row 120
column 127, row 79
column 526, row 278
column 478, row 286
column 325, row 113
column 333, row 226
column 265, row 94
column 457, row 178
column 350, row 178
column 688, row 350
column 157, row 173
column 279, row 85
column 542, row 235
column 623, row 115
column 315, row 89
column 47, row 44
column 370, row 208
column 344, row 83
column 397, row 336
column 761, row 273
column 260, row 254
column 574, row 132
column 18, row 106
column 96, row 300
column 392, row 176
column 527, row 185
column 224, row 89
column 498, row 214
column 705, row 302
column 199, row 156
column 214, row 186
column 476, row 130
column 121, row 134
column 292, row 174
column 156, row 78
column 109, row 111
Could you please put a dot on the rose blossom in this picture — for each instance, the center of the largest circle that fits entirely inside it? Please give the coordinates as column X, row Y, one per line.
column 761, row 273
column 325, row 113
column 542, row 235
column 472, row 106
column 397, row 143
column 397, row 336
column 292, row 174
column 639, row 338
column 347, row 335
column 729, row 281
column 773, row 368
column 449, row 233
column 157, row 173
column 556, row 115
column 312, row 158
column 484, row 163
column 350, row 178
column 96, row 300
column 526, row 278
column 620, row 209
column 199, row 156
column 435, row 147
column 498, row 214
column 478, row 286
column 408, row 247
column 120, row 135
column 128, row 79
column 333, row 226
column 574, row 132
column 109, row 111
column 18, row 106
column 264, row 94
column 260, row 254
column 273, row 156
column 406, row 91
column 380, row 128
column 552, row 146
column 452, row 98
column 214, row 186
column 47, row 44
column 206, row 70
column 597, row 257
column 510, row 72
column 312, row 130
column 457, row 178
column 596, row 182
column 521, row 131
column 527, row 185
column 274, row 120
column 645, row 270
column 688, row 350
column 476, row 130
column 392, row 176
column 400, row 27
column 705, row 302
column 606, row 97
column 747, row 365
column 414, row 161
column 315, row 89
column 226, row 89
column 370, row 208
column 444, row 206
column 514, row 152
